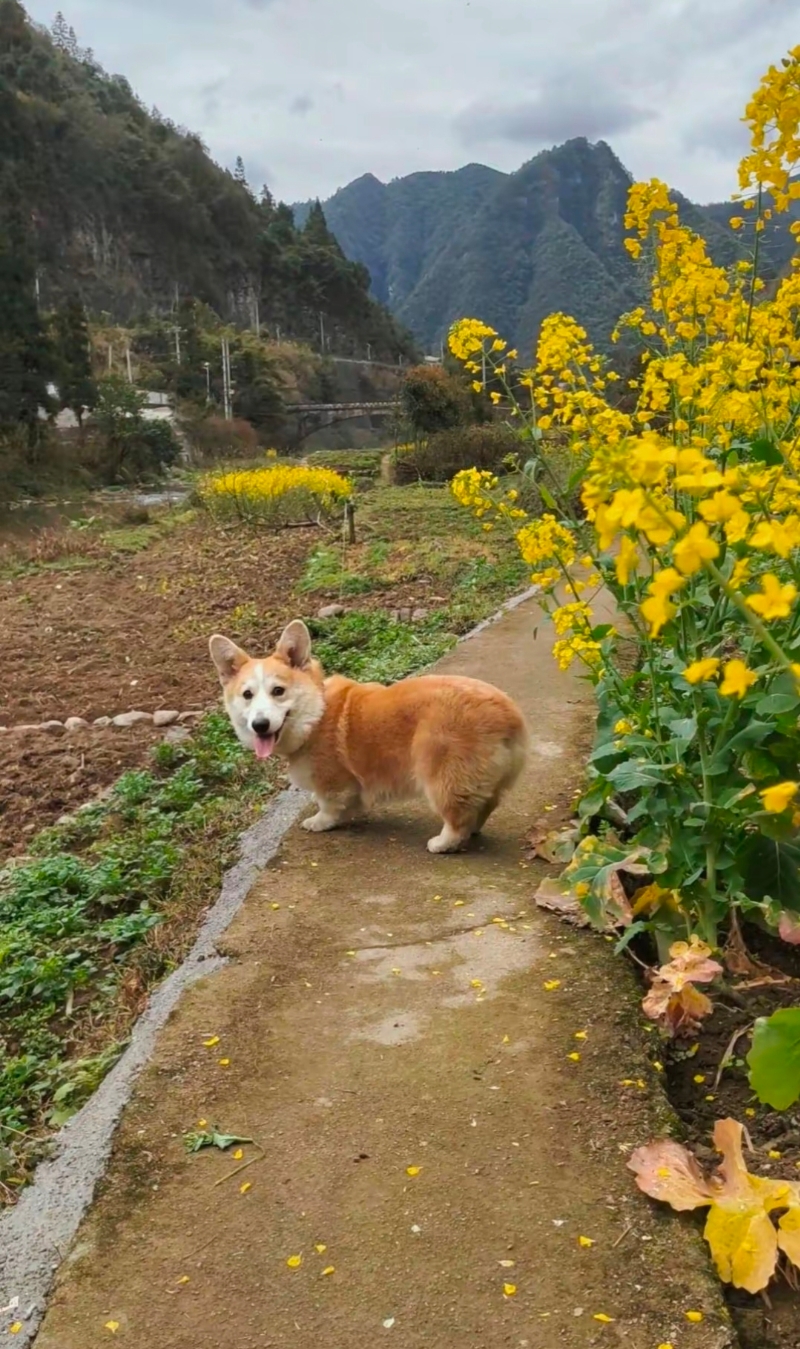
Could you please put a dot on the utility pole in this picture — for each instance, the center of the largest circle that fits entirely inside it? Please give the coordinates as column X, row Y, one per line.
column 256, row 315
column 207, row 368
column 177, row 346
column 128, row 363
column 227, row 391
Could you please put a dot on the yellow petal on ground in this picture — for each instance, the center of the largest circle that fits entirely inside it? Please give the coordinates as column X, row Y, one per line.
column 113, row 1326
column 509, row 1289
column 329, row 1269
column 294, row 1261
column 550, row 985
column 15, row 1328
column 397, row 971
column 601, row 1316
column 459, row 904
column 506, row 1264
column 224, row 1063
column 506, row 1039
column 581, row 1034
column 238, row 1154
column 699, row 1077
column 321, row 1248
column 694, row 1317
column 776, row 1156
column 574, row 1058
column 213, row 1040
column 667, row 1345
column 245, row 1186
column 276, row 906
column 413, row 1170
column 184, row 1278
column 585, row 1241
column 476, row 983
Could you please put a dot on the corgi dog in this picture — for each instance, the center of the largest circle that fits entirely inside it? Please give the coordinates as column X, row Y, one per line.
column 458, row 742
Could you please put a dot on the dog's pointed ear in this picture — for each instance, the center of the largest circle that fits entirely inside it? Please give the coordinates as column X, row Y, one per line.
column 294, row 646
column 227, row 656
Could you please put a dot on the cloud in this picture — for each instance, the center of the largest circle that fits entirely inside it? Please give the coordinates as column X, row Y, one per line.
column 406, row 85
column 551, row 117
column 300, row 105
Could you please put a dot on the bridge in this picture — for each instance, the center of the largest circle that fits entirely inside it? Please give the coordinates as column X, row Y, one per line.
column 312, row 417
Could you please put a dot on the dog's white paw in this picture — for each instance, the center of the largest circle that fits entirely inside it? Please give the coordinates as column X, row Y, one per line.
column 319, row 823
column 447, row 841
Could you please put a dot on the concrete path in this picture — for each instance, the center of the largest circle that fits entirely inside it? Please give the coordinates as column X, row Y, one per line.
column 431, row 1150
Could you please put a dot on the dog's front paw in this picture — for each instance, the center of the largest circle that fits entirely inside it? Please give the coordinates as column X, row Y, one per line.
column 319, row 823
column 445, row 842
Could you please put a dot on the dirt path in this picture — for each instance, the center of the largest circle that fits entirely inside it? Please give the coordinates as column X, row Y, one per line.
column 383, row 1010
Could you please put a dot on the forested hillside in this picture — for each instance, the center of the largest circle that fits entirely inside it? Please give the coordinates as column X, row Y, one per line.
column 118, row 205
column 512, row 248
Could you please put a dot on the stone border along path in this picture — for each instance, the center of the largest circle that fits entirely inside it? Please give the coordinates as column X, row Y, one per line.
column 122, row 721
column 483, row 1150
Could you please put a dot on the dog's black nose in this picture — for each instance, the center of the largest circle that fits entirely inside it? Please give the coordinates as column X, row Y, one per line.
column 262, row 728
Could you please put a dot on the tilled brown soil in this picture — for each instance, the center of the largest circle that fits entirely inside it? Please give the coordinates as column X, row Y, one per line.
column 129, row 632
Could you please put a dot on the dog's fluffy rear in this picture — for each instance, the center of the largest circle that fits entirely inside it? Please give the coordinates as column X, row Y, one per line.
column 459, row 742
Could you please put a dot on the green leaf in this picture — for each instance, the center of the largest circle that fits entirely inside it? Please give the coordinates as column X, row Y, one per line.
column 774, row 1060
column 629, row 775
column 776, row 703
column 766, row 452
column 547, row 497
column 684, row 730
column 770, row 868
column 208, row 1138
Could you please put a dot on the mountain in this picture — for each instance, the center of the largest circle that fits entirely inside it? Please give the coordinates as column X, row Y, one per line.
column 129, row 211
column 512, row 248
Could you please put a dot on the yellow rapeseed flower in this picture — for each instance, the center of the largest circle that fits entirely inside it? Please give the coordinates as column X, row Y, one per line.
column 700, row 671
column 738, row 679
column 775, row 600
column 776, row 799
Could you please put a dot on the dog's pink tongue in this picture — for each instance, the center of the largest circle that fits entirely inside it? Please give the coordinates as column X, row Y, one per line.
column 265, row 745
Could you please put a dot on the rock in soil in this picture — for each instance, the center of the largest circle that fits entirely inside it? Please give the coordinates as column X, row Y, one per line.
column 75, row 724
column 126, row 719
column 331, row 611
column 164, row 718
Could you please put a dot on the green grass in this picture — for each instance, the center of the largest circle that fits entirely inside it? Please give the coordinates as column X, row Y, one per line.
column 76, row 919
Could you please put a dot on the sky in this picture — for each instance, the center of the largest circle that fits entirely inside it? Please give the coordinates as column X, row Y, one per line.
column 314, row 93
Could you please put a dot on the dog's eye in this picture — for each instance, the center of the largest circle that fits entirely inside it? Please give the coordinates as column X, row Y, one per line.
column 278, row 692
column 247, row 695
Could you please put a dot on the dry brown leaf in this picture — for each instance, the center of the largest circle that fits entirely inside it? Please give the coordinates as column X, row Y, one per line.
column 673, row 1001
column 555, row 896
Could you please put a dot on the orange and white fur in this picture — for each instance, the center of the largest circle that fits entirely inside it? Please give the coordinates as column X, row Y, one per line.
column 456, row 741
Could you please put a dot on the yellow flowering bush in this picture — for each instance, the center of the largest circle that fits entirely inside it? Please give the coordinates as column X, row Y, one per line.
column 690, row 492
column 279, row 495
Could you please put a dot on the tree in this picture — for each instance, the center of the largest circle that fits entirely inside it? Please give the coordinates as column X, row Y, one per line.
column 239, row 172
column 60, row 32
column 26, row 356
column 76, row 387
column 433, row 400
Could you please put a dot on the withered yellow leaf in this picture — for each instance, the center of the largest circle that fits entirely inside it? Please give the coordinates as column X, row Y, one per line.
column 213, row 1040
column 238, row 1154
column 245, row 1186
column 294, row 1261
column 330, row 1269
column 741, row 1234
column 509, row 1289
column 413, row 1170
column 113, row 1326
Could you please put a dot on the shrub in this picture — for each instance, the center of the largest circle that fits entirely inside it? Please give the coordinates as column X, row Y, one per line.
column 433, row 400
column 214, row 439
column 283, row 495
column 443, row 455
column 691, row 519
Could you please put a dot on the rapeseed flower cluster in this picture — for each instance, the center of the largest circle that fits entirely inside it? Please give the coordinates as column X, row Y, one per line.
column 277, row 495
column 690, row 514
